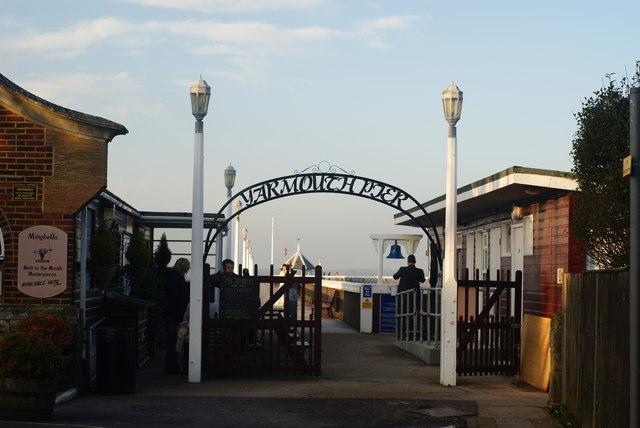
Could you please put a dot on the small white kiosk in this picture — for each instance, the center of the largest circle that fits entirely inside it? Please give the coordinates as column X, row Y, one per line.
column 381, row 242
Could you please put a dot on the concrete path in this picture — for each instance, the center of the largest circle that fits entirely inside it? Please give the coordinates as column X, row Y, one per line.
column 366, row 381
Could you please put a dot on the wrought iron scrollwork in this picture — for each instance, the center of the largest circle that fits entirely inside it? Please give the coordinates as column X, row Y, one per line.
column 325, row 167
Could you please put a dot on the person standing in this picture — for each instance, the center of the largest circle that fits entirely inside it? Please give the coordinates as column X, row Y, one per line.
column 177, row 295
column 410, row 276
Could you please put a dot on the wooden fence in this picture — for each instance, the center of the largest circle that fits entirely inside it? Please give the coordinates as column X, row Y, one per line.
column 489, row 324
column 595, row 348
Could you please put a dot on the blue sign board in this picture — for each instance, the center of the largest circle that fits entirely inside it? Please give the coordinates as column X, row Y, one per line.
column 387, row 313
column 366, row 291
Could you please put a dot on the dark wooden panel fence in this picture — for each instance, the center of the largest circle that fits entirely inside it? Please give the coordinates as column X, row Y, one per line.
column 489, row 325
column 595, row 372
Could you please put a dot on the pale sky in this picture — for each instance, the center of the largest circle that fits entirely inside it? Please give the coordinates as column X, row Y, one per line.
column 296, row 82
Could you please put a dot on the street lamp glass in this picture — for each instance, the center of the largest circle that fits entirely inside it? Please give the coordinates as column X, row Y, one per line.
column 200, row 94
column 452, row 103
column 229, row 177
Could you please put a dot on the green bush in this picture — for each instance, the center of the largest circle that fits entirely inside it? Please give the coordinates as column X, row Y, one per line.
column 103, row 247
column 25, row 355
column 162, row 256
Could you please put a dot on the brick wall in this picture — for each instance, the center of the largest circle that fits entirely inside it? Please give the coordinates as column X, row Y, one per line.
column 81, row 172
column 67, row 171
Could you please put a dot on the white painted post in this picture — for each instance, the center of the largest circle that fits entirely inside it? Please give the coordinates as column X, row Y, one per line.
column 366, row 313
column 273, row 232
column 237, row 205
column 197, row 251
column 380, row 258
column 452, row 103
column 450, row 285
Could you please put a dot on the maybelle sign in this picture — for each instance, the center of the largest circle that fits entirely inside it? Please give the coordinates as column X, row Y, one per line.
column 42, row 261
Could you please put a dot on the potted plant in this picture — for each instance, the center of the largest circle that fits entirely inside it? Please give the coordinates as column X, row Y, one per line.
column 103, row 260
column 31, row 363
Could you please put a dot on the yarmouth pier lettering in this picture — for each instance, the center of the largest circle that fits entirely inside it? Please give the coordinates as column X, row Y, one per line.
column 327, row 183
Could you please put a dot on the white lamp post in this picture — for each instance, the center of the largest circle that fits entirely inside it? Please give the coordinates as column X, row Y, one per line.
column 200, row 94
column 244, row 249
column 237, row 205
column 229, row 181
column 248, row 258
column 452, row 103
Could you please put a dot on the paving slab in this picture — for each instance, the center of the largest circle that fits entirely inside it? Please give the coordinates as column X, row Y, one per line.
column 366, row 381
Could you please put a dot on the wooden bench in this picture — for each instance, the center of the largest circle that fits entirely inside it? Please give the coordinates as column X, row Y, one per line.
column 330, row 305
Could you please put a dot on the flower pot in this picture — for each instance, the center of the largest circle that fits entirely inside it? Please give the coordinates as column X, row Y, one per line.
column 27, row 399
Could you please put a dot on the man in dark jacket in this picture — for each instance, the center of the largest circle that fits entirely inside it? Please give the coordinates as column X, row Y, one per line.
column 410, row 276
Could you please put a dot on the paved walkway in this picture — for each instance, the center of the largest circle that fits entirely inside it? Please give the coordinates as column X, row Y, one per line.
column 366, row 382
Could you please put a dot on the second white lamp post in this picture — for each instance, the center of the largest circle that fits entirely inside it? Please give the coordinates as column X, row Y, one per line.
column 229, row 181
column 200, row 94
column 452, row 103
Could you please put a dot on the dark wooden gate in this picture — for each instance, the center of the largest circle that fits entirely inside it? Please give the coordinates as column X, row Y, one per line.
column 489, row 324
column 285, row 340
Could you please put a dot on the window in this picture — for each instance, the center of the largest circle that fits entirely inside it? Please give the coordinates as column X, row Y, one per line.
column 494, row 250
column 528, row 235
column 1, row 245
column 485, row 253
column 458, row 255
column 470, row 255
column 505, row 238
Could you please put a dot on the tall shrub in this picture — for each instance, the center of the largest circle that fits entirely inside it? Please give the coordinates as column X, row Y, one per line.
column 162, row 256
column 137, row 269
column 103, row 257
column 601, row 214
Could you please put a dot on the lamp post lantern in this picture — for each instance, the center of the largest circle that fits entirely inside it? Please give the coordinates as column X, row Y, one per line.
column 229, row 181
column 452, row 103
column 200, row 94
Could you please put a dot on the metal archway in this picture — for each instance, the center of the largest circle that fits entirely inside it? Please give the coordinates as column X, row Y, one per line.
column 326, row 178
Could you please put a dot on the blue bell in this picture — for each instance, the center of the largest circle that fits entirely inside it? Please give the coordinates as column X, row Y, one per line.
column 396, row 252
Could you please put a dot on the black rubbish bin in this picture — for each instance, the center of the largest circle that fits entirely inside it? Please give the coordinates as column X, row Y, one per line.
column 116, row 360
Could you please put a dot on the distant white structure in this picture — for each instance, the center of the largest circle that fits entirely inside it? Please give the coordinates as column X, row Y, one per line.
column 382, row 242
column 297, row 260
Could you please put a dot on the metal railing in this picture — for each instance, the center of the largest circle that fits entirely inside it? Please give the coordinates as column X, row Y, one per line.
column 418, row 316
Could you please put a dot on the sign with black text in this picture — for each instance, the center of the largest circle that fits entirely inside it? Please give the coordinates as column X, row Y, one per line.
column 42, row 261
column 239, row 298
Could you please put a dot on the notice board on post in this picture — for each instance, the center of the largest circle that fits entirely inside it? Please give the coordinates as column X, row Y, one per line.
column 240, row 298
column 387, row 313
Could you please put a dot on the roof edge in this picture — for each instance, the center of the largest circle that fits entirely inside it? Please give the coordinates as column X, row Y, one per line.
column 492, row 178
column 52, row 115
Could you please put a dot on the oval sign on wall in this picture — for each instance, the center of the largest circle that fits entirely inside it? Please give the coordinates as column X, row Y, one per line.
column 42, row 261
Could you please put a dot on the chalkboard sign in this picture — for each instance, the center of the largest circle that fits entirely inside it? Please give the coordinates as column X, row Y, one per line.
column 239, row 298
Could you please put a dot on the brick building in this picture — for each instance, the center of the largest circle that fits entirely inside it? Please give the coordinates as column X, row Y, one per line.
column 53, row 161
column 53, row 178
